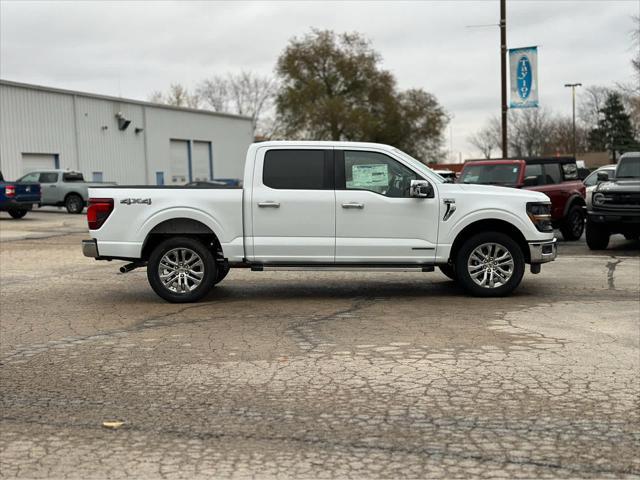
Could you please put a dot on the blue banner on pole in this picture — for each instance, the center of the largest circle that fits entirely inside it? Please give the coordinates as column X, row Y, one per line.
column 523, row 63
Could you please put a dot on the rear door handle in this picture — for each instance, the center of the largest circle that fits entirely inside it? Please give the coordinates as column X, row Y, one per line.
column 269, row 204
column 353, row 205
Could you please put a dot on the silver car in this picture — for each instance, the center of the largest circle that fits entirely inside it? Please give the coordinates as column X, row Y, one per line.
column 63, row 188
column 591, row 182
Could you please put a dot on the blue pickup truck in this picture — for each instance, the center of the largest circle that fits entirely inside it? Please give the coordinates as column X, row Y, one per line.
column 18, row 198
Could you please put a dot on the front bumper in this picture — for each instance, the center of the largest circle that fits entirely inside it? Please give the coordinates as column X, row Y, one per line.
column 614, row 216
column 90, row 248
column 543, row 252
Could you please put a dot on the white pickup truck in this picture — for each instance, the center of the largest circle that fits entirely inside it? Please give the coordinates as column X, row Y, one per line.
column 323, row 205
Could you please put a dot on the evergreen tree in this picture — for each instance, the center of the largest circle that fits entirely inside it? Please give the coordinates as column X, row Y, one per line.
column 614, row 132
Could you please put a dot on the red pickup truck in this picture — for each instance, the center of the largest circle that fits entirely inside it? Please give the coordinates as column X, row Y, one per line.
column 557, row 177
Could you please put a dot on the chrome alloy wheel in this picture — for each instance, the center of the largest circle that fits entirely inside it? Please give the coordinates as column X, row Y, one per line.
column 490, row 265
column 181, row 270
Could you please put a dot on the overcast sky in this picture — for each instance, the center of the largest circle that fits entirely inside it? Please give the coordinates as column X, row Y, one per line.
column 133, row 48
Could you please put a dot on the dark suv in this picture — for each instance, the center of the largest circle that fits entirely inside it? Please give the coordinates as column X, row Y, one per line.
column 557, row 177
column 615, row 204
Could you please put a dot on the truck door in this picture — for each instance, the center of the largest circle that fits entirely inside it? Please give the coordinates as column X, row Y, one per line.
column 293, row 206
column 49, row 187
column 376, row 219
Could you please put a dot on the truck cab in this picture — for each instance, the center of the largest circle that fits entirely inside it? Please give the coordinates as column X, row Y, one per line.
column 556, row 177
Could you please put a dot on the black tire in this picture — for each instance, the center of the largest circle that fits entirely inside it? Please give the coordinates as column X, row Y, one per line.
column 449, row 270
column 572, row 226
column 208, row 269
column 479, row 241
column 17, row 213
column 597, row 236
column 74, row 203
column 222, row 271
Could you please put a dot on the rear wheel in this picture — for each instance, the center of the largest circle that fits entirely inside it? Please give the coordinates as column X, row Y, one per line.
column 181, row 270
column 490, row 264
column 572, row 226
column 597, row 236
column 17, row 213
column 74, row 203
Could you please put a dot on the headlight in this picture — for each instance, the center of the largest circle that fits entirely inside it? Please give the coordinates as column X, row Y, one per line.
column 540, row 215
column 598, row 199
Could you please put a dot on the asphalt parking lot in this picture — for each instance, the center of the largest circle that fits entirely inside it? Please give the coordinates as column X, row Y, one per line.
column 314, row 375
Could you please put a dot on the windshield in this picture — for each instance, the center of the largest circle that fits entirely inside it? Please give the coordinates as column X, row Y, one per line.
column 496, row 174
column 418, row 165
column 629, row 168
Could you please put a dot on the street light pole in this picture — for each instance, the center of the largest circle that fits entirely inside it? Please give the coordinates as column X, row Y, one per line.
column 503, row 74
column 573, row 104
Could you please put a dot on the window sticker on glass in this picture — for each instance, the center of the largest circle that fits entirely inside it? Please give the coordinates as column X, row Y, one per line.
column 367, row 176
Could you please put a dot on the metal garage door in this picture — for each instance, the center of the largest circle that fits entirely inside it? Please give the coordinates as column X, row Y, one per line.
column 38, row 161
column 179, row 167
column 200, row 161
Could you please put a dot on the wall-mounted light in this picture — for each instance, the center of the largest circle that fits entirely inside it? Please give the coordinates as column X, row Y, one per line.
column 104, row 127
column 123, row 122
column 139, row 130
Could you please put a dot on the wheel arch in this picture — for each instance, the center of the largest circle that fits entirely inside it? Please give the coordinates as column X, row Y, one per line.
column 494, row 225
column 181, row 226
column 575, row 199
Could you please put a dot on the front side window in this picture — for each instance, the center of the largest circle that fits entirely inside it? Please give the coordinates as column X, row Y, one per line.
column 552, row 173
column 533, row 175
column 298, row 169
column 377, row 173
column 48, row 177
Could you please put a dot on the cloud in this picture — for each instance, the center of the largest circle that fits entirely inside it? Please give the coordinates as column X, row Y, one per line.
column 133, row 48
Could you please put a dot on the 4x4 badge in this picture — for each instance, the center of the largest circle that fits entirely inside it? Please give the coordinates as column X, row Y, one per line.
column 134, row 201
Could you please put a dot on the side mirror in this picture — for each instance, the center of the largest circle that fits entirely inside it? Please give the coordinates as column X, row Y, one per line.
column 603, row 177
column 421, row 189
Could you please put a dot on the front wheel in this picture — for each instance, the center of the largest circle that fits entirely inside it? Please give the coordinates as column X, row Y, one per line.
column 572, row 226
column 181, row 270
column 17, row 213
column 597, row 236
column 74, row 203
column 490, row 264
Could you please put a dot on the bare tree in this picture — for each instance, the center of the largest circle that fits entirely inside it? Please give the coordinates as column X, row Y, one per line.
column 486, row 140
column 244, row 93
column 177, row 95
column 591, row 101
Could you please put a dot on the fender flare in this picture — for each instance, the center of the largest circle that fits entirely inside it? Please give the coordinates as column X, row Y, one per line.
column 575, row 197
column 173, row 213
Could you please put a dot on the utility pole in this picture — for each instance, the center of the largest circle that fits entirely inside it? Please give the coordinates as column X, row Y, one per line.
column 503, row 72
column 573, row 105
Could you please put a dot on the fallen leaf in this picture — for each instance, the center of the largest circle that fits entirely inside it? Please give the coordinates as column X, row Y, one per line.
column 112, row 424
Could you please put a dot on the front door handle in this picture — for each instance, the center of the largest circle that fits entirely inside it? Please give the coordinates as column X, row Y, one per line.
column 269, row 204
column 353, row 205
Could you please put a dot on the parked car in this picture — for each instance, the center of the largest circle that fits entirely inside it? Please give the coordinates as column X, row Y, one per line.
column 448, row 175
column 63, row 188
column 17, row 198
column 615, row 206
column 591, row 182
column 556, row 177
column 315, row 205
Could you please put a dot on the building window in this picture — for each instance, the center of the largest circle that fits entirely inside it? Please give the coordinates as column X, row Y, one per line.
column 96, row 176
column 159, row 178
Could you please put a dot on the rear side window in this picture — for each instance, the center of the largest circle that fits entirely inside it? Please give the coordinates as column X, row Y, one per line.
column 552, row 173
column 48, row 177
column 73, row 177
column 570, row 171
column 298, row 169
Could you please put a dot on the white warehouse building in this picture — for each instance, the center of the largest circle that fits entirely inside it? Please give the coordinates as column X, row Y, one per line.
column 115, row 139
